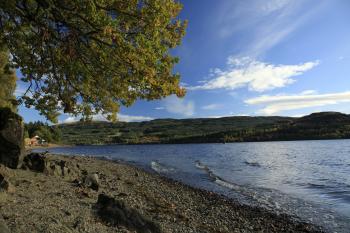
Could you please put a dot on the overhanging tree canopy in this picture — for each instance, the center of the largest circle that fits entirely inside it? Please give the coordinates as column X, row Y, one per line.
column 91, row 56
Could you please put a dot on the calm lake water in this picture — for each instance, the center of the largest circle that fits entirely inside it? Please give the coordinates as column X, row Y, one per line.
column 309, row 180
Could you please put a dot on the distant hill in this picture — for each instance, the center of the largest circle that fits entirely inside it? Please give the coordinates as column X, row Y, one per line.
column 323, row 125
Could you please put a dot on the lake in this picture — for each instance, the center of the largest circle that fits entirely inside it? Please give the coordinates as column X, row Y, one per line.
column 309, row 180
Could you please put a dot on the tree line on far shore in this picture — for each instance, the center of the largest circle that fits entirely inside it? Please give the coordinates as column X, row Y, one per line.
column 326, row 125
column 50, row 134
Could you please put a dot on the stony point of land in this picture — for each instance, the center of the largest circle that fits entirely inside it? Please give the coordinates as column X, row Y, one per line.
column 53, row 193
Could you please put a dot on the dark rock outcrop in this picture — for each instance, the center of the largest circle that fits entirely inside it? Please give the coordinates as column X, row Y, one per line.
column 39, row 162
column 115, row 212
column 35, row 162
column 11, row 138
column 66, row 170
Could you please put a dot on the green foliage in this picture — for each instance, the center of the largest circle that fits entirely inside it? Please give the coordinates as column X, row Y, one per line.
column 43, row 130
column 86, row 57
column 8, row 82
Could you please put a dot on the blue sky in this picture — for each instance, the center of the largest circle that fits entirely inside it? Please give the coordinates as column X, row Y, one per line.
column 255, row 57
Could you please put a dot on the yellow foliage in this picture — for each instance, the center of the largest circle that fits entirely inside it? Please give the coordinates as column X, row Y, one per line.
column 90, row 57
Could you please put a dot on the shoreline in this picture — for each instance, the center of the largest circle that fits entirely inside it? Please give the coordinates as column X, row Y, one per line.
column 186, row 143
column 49, row 145
column 173, row 206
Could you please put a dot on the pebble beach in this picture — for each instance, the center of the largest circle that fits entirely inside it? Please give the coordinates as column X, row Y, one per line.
column 82, row 194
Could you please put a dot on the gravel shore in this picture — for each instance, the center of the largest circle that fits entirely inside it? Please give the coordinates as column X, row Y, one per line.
column 65, row 202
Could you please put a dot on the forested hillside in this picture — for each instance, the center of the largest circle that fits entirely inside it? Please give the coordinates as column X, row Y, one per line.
column 326, row 125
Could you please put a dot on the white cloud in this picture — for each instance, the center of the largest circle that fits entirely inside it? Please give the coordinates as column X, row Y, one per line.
column 128, row 118
column 279, row 103
column 216, row 116
column 231, row 114
column 256, row 75
column 241, row 114
column 308, row 92
column 100, row 117
column 299, row 115
column 212, row 107
column 159, row 108
column 70, row 119
column 21, row 89
column 179, row 106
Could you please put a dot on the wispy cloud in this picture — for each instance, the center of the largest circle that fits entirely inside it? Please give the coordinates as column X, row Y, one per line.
column 279, row 103
column 246, row 13
column 342, row 58
column 212, row 107
column 159, row 108
column 179, row 106
column 256, row 75
column 265, row 23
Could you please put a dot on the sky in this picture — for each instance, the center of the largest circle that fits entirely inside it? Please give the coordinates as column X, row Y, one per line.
column 254, row 57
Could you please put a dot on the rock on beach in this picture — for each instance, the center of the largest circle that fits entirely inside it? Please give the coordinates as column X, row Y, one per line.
column 11, row 138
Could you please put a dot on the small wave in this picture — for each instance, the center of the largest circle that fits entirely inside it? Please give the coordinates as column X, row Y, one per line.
column 107, row 157
column 252, row 163
column 161, row 168
column 200, row 165
column 226, row 184
column 205, row 168
column 317, row 186
column 215, row 178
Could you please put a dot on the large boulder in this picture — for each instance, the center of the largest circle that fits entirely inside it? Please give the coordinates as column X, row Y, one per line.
column 116, row 212
column 91, row 181
column 11, row 138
